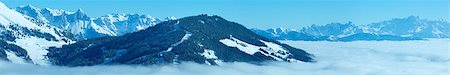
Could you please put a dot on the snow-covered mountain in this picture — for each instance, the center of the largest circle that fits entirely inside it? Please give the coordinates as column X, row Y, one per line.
column 24, row 40
column 202, row 39
column 332, row 29
column 410, row 28
column 283, row 34
column 85, row 27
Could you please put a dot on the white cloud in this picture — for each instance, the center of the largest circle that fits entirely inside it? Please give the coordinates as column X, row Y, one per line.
column 334, row 58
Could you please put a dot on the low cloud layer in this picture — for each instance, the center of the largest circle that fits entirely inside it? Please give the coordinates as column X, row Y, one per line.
column 334, row 58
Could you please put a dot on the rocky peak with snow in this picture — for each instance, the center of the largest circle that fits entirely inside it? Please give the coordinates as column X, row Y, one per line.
column 201, row 39
column 126, row 23
column 283, row 34
column 84, row 27
column 412, row 26
column 279, row 30
column 171, row 18
column 78, row 15
column 29, row 9
column 332, row 29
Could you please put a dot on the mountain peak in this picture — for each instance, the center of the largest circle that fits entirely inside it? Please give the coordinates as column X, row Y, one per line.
column 204, row 17
column 28, row 6
column 280, row 30
column 47, row 9
column 52, row 11
column 349, row 22
column 205, row 22
column 413, row 17
column 79, row 10
column 405, row 19
column 171, row 18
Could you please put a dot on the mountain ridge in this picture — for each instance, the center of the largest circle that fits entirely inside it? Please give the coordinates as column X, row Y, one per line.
column 410, row 28
column 186, row 39
column 84, row 27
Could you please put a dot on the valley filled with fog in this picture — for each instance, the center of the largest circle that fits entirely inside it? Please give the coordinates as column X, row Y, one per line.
column 419, row 57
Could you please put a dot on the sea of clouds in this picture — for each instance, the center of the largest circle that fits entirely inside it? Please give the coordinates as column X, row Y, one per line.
column 429, row 57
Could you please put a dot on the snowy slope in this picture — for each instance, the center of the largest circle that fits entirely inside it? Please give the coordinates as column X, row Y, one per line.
column 14, row 58
column 272, row 50
column 19, row 31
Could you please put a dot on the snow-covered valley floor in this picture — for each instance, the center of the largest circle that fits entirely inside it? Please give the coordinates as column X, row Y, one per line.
column 430, row 57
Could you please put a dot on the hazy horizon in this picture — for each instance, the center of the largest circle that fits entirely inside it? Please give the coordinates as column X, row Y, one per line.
column 262, row 14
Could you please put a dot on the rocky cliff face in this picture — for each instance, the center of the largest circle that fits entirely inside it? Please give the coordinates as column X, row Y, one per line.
column 84, row 27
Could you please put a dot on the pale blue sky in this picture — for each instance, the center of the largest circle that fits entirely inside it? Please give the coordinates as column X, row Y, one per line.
column 260, row 13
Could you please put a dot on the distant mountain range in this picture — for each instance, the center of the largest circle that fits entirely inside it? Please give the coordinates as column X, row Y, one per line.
column 410, row 28
column 78, row 26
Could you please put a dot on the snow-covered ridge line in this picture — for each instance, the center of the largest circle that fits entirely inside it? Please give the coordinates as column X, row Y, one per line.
column 85, row 27
column 410, row 28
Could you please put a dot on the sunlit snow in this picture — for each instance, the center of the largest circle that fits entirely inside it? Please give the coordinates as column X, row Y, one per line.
column 14, row 58
column 241, row 45
column 37, row 48
column 272, row 50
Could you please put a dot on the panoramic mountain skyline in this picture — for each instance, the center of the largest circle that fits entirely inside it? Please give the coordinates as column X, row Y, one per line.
column 408, row 28
column 83, row 26
column 254, row 14
column 224, row 37
column 65, row 21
